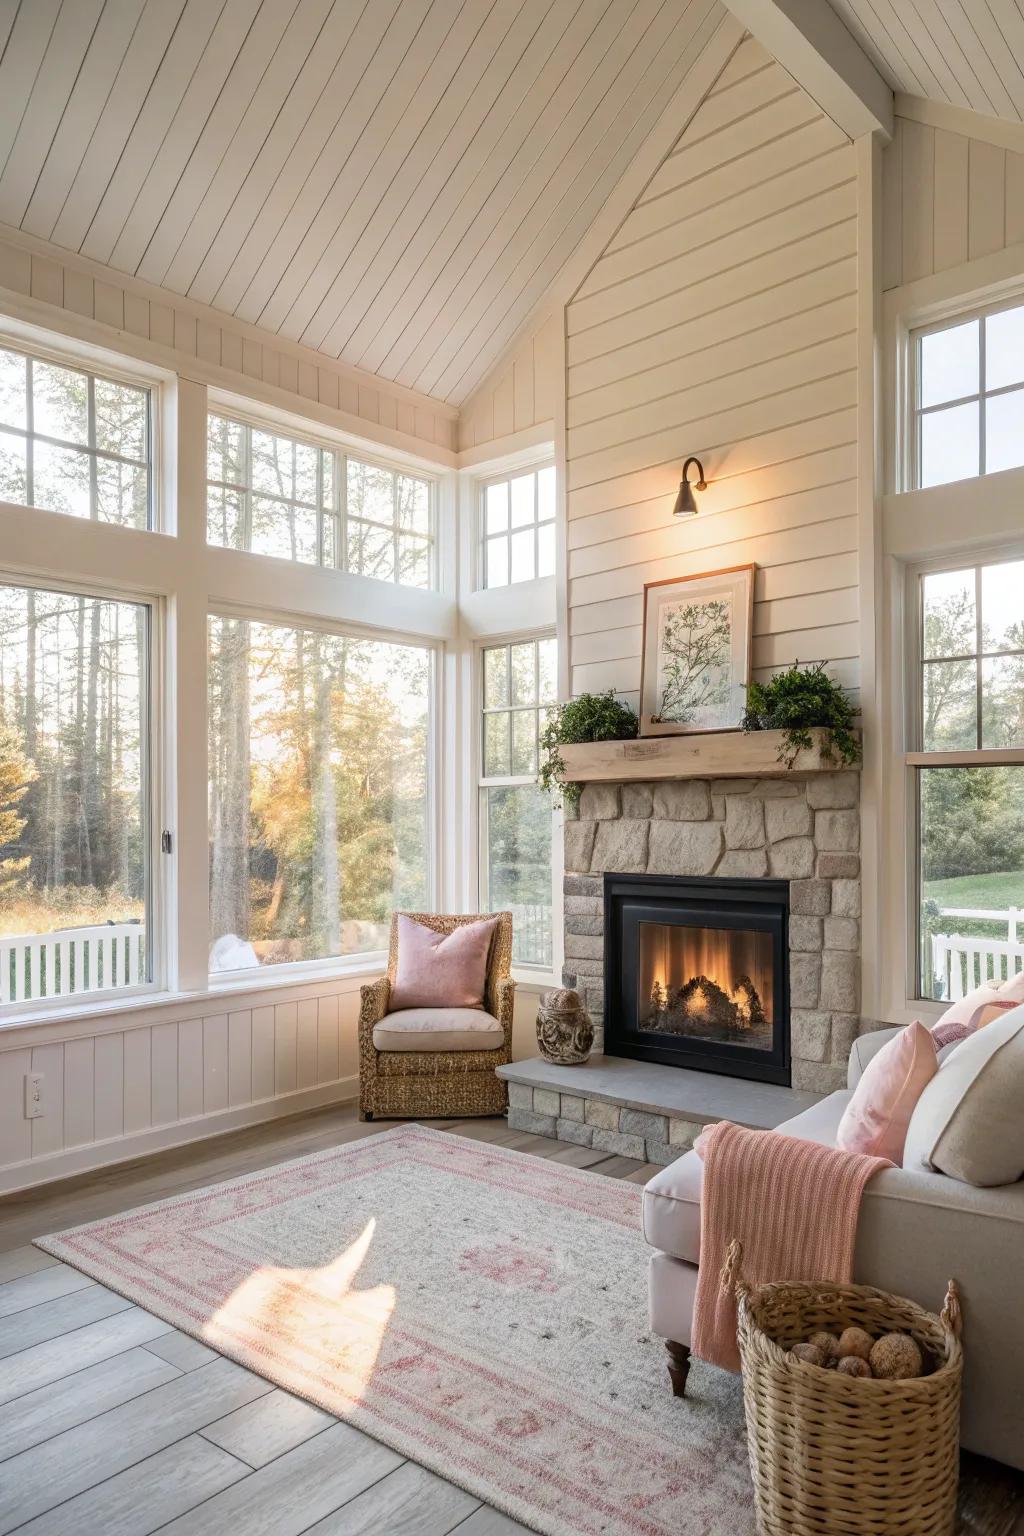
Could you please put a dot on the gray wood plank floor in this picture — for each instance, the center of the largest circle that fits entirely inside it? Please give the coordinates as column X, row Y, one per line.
column 114, row 1424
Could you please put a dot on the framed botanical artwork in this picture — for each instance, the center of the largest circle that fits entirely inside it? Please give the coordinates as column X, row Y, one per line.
column 696, row 659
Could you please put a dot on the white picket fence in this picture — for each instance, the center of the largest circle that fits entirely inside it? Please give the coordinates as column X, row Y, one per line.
column 960, row 963
column 72, row 960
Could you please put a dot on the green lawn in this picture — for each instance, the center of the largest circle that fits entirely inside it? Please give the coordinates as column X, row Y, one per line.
column 997, row 891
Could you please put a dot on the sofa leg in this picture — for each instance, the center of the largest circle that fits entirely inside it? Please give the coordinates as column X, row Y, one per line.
column 678, row 1366
column 366, row 1114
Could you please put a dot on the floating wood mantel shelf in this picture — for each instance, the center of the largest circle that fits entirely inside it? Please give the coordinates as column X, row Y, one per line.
column 715, row 755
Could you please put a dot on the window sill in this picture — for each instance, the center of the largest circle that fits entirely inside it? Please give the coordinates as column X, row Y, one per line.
column 527, row 980
column 252, row 985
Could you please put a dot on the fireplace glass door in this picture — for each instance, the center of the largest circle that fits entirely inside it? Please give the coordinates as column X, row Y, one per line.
column 706, row 983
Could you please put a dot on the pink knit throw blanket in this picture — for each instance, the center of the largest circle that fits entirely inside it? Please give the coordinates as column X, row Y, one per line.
column 793, row 1205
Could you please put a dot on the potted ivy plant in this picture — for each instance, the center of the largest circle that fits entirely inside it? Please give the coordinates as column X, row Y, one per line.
column 798, row 701
column 588, row 717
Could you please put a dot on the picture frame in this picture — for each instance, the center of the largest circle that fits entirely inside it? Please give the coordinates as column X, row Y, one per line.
column 697, row 641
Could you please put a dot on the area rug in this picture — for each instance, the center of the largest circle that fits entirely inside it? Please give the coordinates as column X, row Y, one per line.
column 481, row 1311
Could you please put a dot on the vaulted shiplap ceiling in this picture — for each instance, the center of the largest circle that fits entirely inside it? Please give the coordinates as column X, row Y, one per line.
column 969, row 53
column 393, row 182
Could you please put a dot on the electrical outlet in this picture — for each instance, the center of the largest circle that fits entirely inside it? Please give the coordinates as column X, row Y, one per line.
column 33, row 1095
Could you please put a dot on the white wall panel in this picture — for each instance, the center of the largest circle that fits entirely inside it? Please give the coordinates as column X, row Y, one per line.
column 112, row 1090
column 721, row 321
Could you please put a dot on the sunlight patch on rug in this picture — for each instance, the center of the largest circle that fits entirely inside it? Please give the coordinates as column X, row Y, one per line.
column 482, row 1311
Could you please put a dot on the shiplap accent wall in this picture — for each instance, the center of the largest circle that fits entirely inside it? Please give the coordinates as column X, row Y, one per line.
column 170, row 1074
column 131, row 317
column 520, row 394
column 720, row 321
column 948, row 199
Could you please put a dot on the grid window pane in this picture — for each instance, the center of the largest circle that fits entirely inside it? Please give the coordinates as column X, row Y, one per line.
column 87, row 453
column 950, row 706
column 74, row 828
column 1004, row 431
column 1002, row 701
column 318, row 791
column 972, row 644
column 519, row 683
column 269, row 494
column 969, row 414
column 950, row 445
column 1002, row 606
column 950, row 617
column 949, row 363
column 518, row 528
column 971, row 823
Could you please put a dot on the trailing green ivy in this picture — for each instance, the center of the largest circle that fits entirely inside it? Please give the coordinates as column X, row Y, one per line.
column 798, row 701
column 589, row 717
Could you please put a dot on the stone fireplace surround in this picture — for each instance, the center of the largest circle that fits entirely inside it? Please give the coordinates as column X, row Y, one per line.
column 805, row 830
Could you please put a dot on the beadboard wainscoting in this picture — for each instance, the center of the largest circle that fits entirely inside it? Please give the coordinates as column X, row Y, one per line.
column 721, row 321
column 118, row 1085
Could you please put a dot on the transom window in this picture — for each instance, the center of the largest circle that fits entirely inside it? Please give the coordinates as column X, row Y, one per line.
column 519, row 528
column 969, row 791
column 969, row 410
column 74, row 442
column 275, row 495
column 519, row 691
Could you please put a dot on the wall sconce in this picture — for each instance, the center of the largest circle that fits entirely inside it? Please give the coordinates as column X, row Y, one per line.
column 685, row 505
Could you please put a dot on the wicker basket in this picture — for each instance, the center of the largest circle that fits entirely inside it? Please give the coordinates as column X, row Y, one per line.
column 836, row 1455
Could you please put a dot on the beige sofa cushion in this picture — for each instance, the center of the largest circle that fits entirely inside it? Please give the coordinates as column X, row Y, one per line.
column 438, row 1029
column 968, row 1122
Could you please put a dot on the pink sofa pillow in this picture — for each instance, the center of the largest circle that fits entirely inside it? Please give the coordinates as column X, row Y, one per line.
column 441, row 970
column 876, row 1119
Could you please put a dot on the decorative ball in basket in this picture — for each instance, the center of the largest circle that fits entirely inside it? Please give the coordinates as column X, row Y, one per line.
column 848, row 1450
column 565, row 1032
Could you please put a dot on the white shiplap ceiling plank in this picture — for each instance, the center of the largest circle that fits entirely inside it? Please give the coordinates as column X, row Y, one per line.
column 246, row 33
column 209, row 184
column 416, row 262
column 278, row 235
column 876, row 26
column 357, row 194
column 158, row 111
column 370, row 269
column 224, row 248
column 481, row 76
column 1000, row 25
column 69, row 44
column 982, row 55
column 954, row 47
column 64, row 155
column 495, row 329
column 553, row 178
column 8, row 16
column 277, row 43
column 414, row 90
column 119, row 112
column 19, row 68
column 550, row 117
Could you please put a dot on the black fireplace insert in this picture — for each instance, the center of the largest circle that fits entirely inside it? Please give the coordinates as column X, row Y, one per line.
column 696, row 973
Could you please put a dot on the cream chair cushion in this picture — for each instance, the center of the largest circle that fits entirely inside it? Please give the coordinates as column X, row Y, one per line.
column 438, row 1029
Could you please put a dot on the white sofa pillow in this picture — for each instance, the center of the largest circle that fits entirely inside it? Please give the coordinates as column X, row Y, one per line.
column 968, row 1121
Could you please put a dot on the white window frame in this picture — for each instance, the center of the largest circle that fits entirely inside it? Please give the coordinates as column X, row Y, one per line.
column 116, row 372
column 154, row 796
column 483, row 539
column 914, row 756
column 246, row 978
column 914, row 411
column 342, row 452
column 522, row 969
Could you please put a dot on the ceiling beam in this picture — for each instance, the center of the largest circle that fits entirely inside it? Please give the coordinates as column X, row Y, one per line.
column 812, row 44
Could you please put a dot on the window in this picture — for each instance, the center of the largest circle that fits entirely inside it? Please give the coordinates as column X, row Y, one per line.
column 969, row 410
column 519, row 690
column 970, row 700
column 74, row 442
column 296, row 500
column 74, row 819
column 519, row 528
column 318, row 760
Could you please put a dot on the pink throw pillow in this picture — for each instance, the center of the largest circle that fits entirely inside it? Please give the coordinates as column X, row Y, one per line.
column 983, row 1004
column 950, row 1034
column 876, row 1119
column 441, row 970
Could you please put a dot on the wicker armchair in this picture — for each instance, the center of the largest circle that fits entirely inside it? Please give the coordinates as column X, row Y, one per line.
column 437, row 1084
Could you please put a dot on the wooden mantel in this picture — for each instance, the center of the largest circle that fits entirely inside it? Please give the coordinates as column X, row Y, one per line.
column 710, row 755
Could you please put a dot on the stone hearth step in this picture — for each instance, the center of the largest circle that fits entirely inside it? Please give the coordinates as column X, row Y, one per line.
column 636, row 1108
